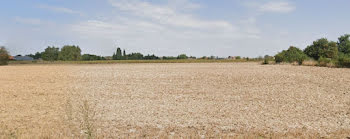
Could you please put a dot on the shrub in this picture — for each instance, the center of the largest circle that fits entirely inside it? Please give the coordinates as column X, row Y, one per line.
column 4, row 56
column 291, row 55
column 70, row 53
column 344, row 44
column 182, row 56
column 322, row 48
column 324, row 62
column 266, row 61
column 343, row 61
column 50, row 54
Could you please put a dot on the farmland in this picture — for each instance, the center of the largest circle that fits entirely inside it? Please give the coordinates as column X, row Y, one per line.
column 199, row 100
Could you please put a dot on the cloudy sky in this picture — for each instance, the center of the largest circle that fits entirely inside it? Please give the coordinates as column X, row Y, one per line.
column 171, row 27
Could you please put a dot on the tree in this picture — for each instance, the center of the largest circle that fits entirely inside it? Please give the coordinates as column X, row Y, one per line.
column 118, row 54
column 90, row 57
column 36, row 56
column 135, row 56
column 322, row 48
column 4, row 56
column 293, row 54
column 344, row 44
column 151, row 57
column 182, row 56
column 50, row 54
column 70, row 53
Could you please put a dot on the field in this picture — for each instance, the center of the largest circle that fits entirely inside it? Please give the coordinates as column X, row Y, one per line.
column 172, row 100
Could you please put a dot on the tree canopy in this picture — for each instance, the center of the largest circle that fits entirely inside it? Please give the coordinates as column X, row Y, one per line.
column 4, row 56
column 344, row 44
column 50, row 54
column 293, row 54
column 322, row 48
column 70, row 53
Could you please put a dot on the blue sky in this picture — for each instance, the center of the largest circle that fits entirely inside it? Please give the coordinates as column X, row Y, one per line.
column 171, row 27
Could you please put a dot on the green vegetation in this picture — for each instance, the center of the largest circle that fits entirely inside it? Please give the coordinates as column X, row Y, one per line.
column 4, row 56
column 293, row 54
column 322, row 48
column 182, row 56
column 50, row 54
column 90, row 57
column 344, row 44
column 327, row 53
column 70, row 53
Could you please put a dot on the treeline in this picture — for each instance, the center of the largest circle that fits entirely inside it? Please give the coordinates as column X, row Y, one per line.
column 325, row 52
column 119, row 55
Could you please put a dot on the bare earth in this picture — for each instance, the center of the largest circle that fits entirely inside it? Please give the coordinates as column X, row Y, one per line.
column 198, row 100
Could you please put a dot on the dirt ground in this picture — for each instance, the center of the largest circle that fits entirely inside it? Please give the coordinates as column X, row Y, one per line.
column 198, row 100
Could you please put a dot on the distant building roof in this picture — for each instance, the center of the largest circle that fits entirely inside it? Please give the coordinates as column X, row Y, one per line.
column 23, row 58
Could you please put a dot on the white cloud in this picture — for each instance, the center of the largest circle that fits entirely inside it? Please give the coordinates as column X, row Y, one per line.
column 31, row 21
column 167, row 15
column 167, row 29
column 59, row 9
column 278, row 7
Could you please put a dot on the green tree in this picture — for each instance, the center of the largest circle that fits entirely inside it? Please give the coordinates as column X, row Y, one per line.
column 151, row 57
column 50, row 54
column 70, row 53
column 118, row 54
column 293, row 54
column 344, row 44
column 90, row 57
column 182, row 56
column 4, row 56
column 135, row 56
column 36, row 56
column 322, row 48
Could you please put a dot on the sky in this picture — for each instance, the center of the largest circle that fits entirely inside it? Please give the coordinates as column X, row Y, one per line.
column 170, row 27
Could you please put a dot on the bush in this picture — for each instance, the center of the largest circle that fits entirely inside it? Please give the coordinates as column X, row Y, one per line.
column 89, row 57
column 4, row 56
column 324, row 62
column 343, row 61
column 70, row 53
column 50, row 54
column 182, row 56
column 291, row 55
column 266, row 61
column 322, row 48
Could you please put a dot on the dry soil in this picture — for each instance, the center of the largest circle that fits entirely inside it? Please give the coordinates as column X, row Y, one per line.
column 199, row 100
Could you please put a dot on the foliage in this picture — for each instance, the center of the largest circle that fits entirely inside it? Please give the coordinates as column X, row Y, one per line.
column 118, row 54
column 266, row 61
column 50, row 54
column 344, row 44
column 169, row 57
column 135, row 56
column 293, row 54
column 36, row 56
column 324, row 62
column 182, row 56
column 70, row 53
column 151, row 57
column 343, row 60
column 4, row 56
column 90, row 57
column 322, row 48
column 238, row 57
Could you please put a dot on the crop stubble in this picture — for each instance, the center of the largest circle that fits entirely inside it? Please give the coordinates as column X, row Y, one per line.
column 174, row 100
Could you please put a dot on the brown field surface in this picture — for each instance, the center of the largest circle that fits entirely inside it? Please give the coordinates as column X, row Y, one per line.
column 189, row 100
